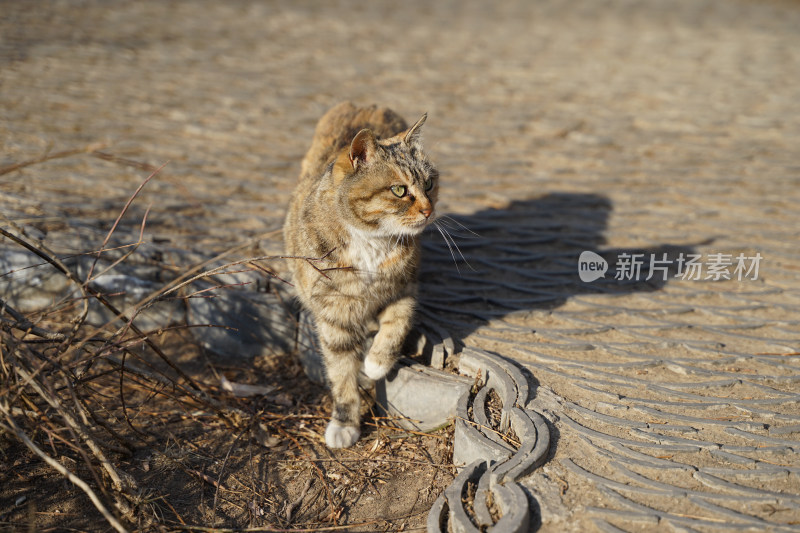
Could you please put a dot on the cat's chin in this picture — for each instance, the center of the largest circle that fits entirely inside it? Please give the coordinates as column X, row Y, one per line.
column 389, row 231
column 421, row 225
column 408, row 229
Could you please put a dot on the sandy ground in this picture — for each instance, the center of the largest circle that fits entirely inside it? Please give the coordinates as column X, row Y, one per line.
column 558, row 127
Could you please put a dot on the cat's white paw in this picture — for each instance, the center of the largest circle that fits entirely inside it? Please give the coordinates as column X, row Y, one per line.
column 376, row 371
column 339, row 436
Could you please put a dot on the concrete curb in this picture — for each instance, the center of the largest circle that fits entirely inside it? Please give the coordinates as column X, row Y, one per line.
column 477, row 485
column 491, row 461
column 422, row 398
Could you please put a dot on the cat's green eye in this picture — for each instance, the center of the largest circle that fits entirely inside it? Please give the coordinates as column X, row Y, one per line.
column 428, row 184
column 399, row 190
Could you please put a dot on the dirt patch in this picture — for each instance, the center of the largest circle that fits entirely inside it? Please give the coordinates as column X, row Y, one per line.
column 250, row 462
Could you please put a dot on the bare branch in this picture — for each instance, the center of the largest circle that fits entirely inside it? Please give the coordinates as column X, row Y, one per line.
column 76, row 427
column 119, row 217
column 47, row 157
column 23, row 324
column 61, row 469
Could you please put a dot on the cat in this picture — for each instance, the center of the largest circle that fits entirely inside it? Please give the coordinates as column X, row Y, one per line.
column 366, row 192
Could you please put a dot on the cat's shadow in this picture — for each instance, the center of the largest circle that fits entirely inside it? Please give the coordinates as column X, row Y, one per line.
column 525, row 257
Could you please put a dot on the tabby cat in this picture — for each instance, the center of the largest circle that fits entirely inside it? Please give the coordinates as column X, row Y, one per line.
column 366, row 192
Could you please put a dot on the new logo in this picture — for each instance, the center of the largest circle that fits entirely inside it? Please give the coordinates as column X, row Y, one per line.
column 591, row 266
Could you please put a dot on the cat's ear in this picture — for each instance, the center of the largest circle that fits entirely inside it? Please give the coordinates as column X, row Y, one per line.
column 362, row 149
column 413, row 134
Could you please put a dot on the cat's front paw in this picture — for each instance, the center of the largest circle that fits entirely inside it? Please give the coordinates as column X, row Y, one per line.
column 376, row 370
column 340, row 436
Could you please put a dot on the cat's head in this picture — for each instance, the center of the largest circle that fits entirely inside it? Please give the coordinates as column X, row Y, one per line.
column 387, row 187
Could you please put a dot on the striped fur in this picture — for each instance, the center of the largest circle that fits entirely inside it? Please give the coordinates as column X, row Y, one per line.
column 362, row 242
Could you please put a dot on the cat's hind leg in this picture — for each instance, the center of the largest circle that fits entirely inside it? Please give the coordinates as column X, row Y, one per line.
column 341, row 350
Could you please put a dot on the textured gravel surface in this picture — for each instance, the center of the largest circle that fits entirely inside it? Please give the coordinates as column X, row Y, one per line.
column 616, row 127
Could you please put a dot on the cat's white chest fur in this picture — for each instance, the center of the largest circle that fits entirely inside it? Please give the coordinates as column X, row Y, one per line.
column 367, row 251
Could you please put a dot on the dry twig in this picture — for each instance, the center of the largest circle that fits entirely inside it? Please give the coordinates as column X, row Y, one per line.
column 11, row 426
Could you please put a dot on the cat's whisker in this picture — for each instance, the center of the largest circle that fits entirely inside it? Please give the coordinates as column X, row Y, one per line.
column 447, row 241
column 445, row 235
column 449, row 248
column 455, row 244
column 456, row 222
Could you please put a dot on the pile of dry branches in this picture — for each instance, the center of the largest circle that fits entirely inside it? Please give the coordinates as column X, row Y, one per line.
column 156, row 436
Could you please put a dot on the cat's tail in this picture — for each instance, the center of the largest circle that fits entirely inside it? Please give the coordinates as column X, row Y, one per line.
column 336, row 129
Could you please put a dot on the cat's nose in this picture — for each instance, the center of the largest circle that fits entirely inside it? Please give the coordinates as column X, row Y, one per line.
column 426, row 212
